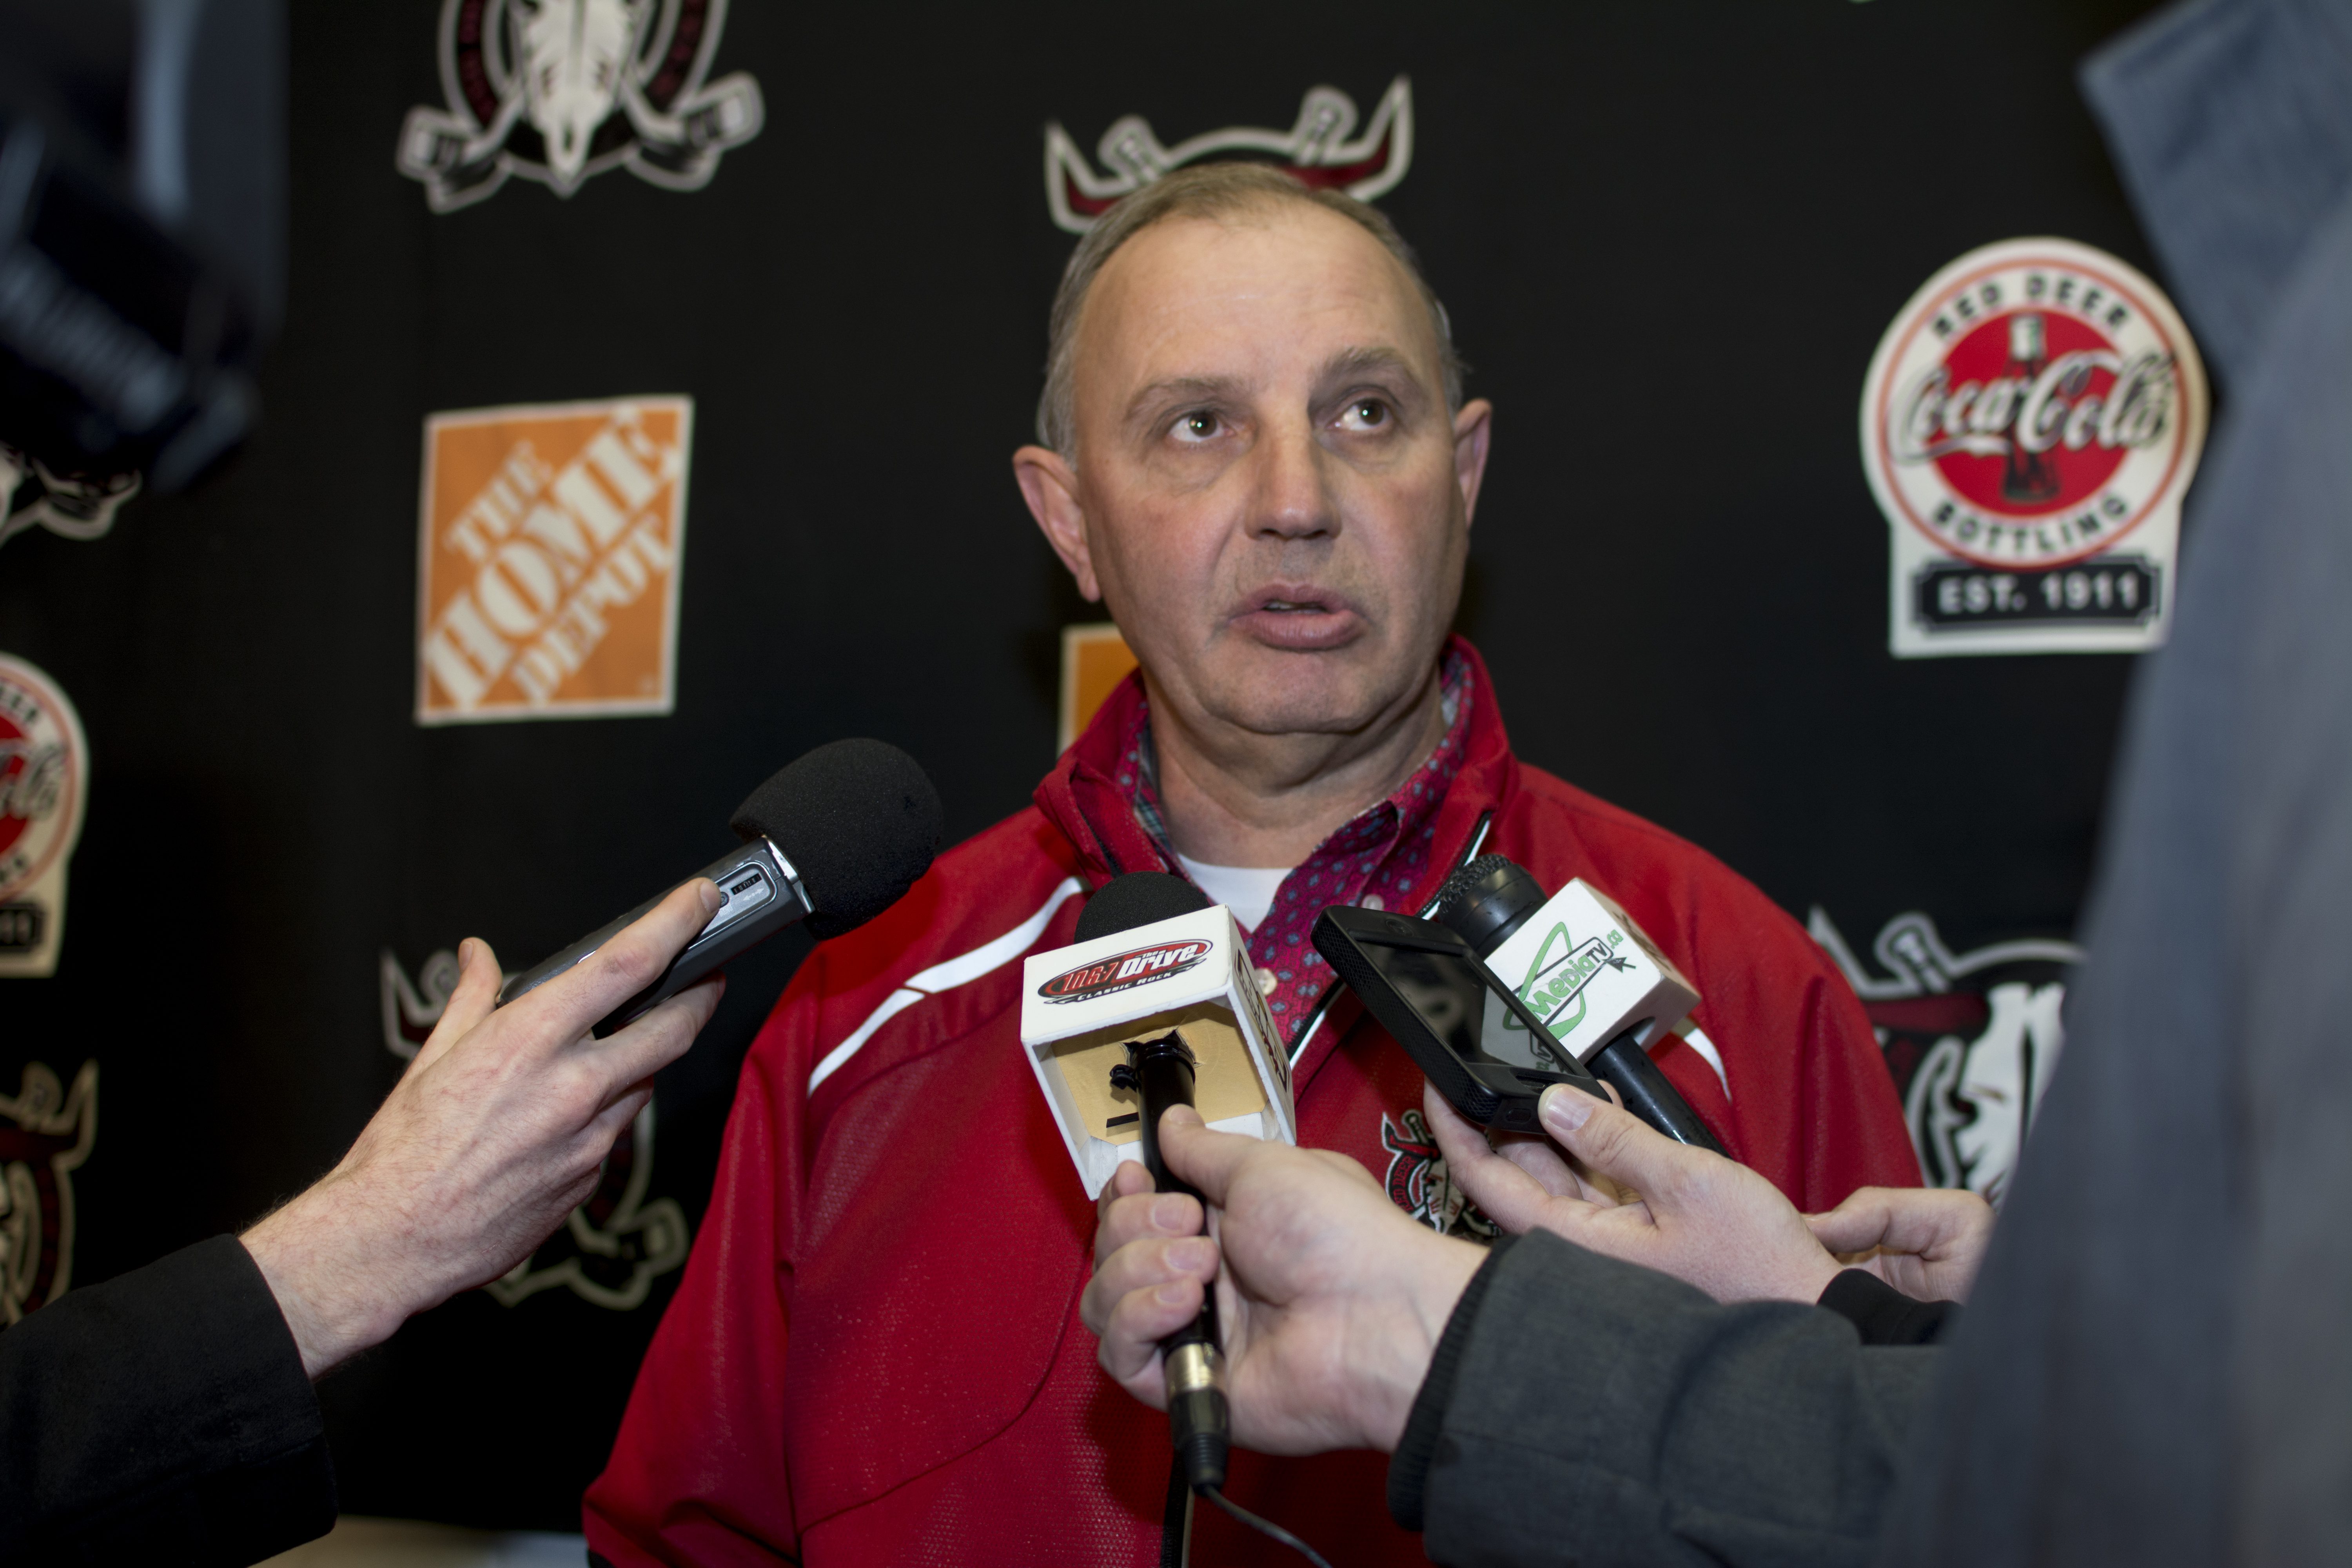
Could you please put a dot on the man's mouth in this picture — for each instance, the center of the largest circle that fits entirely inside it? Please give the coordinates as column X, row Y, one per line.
column 1302, row 619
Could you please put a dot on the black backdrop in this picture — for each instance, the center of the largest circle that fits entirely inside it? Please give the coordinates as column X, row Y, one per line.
column 1670, row 237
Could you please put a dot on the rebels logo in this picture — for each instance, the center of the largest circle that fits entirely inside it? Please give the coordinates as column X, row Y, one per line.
column 1124, row 971
column 561, row 90
column 1322, row 150
column 2034, row 404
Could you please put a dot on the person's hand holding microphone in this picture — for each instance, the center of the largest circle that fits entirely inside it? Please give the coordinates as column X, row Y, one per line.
column 493, row 1134
column 1334, row 1300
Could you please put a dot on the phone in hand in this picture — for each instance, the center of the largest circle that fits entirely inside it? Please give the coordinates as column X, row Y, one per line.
column 1486, row 1052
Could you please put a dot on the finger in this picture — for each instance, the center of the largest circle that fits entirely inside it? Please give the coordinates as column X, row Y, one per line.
column 565, row 1007
column 1145, row 1215
column 1900, row 1219
column 1620, row 1146
column 1207, row 1160
column 477, row 993
column 1857, row 1225
column 1145, row 1266
column 1540, row 1159
column 1507, row 1193
column 1136, row 1325
column 661, row 1036
column 607, row 1123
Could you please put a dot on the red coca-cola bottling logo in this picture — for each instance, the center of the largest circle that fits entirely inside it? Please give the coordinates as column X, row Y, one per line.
column 2035, row 404
column 1124, row 971
column 43, row 765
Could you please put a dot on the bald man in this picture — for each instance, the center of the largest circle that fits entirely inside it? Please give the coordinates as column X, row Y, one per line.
column 1257, row 451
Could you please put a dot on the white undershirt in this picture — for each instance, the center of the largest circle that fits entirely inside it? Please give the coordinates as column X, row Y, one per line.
column 1247, row 891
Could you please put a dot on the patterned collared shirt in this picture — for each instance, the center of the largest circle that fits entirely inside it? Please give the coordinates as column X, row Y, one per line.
column 1379, row 853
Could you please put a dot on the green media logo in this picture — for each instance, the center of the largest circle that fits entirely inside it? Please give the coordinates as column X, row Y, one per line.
column 1554, row 987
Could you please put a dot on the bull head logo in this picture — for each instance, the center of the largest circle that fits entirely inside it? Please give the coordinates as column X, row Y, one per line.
column 1971, row 1039
column 559, row 90
column 45, row 1132
column 71, row 506
column 574, row 53
column 1323, row 150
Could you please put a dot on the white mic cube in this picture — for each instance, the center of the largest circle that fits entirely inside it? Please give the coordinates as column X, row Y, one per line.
column 1583, row 966
column 1191, row 975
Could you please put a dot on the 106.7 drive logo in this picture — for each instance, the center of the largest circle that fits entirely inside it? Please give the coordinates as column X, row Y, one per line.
column 2030, row 423
column 1124, row 971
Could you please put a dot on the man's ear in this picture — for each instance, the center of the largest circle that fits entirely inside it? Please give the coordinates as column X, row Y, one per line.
column 1473, row 428
column 1051, row 489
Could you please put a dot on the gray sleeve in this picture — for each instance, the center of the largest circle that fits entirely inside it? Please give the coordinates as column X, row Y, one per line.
column 1603, row 1414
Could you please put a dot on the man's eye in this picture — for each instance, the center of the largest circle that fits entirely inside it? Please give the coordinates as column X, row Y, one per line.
column 1198, row 425
column 1365, row 414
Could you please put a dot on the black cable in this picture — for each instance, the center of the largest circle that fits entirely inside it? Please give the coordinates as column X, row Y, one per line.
column 1265, row 1525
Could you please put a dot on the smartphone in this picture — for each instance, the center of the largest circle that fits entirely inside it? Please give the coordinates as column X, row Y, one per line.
column 1488, row 1055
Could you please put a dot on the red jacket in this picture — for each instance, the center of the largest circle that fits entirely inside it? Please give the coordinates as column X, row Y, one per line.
column 875, row 1355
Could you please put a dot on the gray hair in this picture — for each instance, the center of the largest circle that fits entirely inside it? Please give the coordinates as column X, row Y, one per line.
column 1210, row 191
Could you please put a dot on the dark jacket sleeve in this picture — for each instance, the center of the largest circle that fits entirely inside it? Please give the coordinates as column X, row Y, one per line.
column 1603, row 1414
column 162, row 1416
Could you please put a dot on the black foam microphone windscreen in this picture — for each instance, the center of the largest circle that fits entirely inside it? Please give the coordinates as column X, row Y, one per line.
column 859, row 821
column 1136, row 899
column 855, row 824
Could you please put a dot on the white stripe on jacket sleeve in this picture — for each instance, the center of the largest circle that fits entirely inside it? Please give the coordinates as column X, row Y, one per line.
column 961, row 969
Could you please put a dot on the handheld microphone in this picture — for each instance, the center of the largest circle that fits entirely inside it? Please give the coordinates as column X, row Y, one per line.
column 1162, row 1071
column 1156, row 1005
column 1603, row 990
column 835, row 839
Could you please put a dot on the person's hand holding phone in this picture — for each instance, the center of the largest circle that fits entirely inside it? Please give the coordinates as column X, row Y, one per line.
column 1708, row 1221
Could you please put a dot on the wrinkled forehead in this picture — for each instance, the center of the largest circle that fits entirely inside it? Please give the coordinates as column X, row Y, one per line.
column 1265, row 297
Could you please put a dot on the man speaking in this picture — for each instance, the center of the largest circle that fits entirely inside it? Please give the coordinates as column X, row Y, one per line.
column 1258, row 454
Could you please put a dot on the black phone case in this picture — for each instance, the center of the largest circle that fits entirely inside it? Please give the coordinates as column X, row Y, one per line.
column 1490, row 1092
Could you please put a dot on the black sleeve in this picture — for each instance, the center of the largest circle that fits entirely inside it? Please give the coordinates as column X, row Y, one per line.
column 1885, row 1316
column 1602, row 1413
column 162, row 1416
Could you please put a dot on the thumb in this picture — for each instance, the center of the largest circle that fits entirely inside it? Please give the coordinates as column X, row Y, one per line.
column 1859, row 1223
column 1615, row 1143
column 476, row 996
column 1207, row 1160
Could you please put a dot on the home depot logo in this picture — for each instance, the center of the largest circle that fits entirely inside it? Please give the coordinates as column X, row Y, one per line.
column 548, row 550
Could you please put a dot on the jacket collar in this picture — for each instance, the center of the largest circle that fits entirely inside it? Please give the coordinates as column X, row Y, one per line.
column 1083, row 797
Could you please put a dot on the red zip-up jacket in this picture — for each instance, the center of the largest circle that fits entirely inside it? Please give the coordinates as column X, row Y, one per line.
column 875, row 1355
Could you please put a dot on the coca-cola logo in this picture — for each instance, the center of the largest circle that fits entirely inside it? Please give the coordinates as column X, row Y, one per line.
column 42, row 768
column 1124, row 971
column 2035, row 404
column 32, row 783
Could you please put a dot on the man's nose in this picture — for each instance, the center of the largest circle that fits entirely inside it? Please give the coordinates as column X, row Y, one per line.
column 1293, row 496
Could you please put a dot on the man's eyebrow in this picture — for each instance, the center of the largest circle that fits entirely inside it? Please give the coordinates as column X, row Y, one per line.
column 1181, row 389
column 1359, row 361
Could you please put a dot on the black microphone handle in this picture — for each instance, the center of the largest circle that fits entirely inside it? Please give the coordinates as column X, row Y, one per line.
column 1199, row 1422
column 1625, row 1067
column 760, row 894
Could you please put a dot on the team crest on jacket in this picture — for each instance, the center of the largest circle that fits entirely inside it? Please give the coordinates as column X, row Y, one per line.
column 44, row 778
column 2029, row 425
column 45, row 1132
column 613, row 1246
column 561, row 90
column 1418, row 1182
column 1323, row 149
column 1971, row 1038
